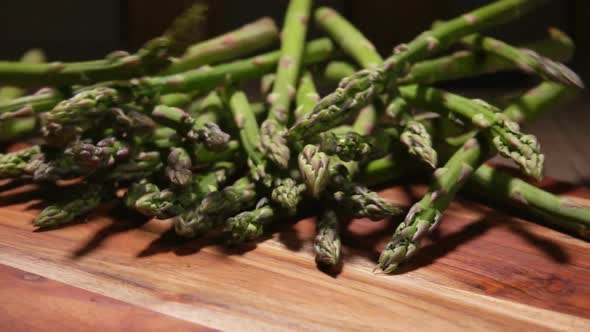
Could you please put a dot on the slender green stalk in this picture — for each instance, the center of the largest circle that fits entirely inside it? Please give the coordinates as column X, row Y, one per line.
column 507, row 138
column 205, row 79
column 334, row 71
column 216, row 207
column 359, row 199
column 193, row 81
column 207, row 133
column 179, row 167
column 234, row 44
column 8, row 93
column 359, row 90
column 527, row 60
column 425, row 215
column 307, row 96
column 413, row 134
column 313, row 164
column 272, row 130
column 21, row 163
column 148, row 199
column 86, row 198
column 327, row 245
column 347, row 36
column 464, row 64
column 249, row 225
column 19, row 127
column 247, row 125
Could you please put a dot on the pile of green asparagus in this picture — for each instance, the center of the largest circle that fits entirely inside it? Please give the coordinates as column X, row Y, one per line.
column 169, row 132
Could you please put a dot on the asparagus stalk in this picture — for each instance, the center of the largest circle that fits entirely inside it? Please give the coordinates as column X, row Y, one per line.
column 362, row 201
column 413, row 133
column 463, row 64
column 285, row 192
column 20, row 163
column 557, row 211
column 207, row 133
column 234, row 44
column 249, row 225
column 313, row 164
column 306, row 97
column 148, row 199
column 425, row 215
column 178, row 169
column 8, row 93
column 526, row 59
column 151, row 58
column 249, row 136
column 487, row 182
column 197, row 80
column 507, row 138
column 91, row 157
column 347, row 36
column 87, row 198
column 360, row 89
column 327, row 245
column 334, row 71
column 15, row 128
column 272, row 129
column 216, row 207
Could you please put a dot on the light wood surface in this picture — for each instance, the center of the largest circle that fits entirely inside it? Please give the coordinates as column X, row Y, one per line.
column 482, row 271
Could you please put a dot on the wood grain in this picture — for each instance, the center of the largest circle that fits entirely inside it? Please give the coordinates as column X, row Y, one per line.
column 482, row 271
column 26, row 297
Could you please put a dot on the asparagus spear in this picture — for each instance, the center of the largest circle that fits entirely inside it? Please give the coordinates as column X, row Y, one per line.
column 527, row 60
column 200, row 80
column 20, row 163
column 348, row 37
column 90, row 157
column 413, row 133
column 306, row 97
column 179, row 167
column 360, row 89
column 249, row 225
column 249, row 136
column 8, row 93
column 507, row 138
column 362, row 201
column 425, row 215
column 86, row 198
column 15, row 128
column 272, row 129
column 462, row 64
column 207, row 133
column 150, row 58
column 148, row 199
column 327, row 245
column 234, row 44
column 286, row 193
column 313, row 164
column 215, row 207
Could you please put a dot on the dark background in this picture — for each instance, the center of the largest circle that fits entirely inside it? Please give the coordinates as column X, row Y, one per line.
column 86, row 29
column 83, row 29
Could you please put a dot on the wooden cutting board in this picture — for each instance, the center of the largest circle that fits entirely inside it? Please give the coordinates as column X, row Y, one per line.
column 483, row 270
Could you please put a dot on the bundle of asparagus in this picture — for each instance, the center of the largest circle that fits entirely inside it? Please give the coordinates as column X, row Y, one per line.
column 187, row 145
